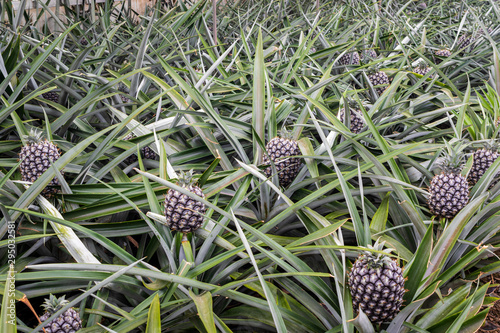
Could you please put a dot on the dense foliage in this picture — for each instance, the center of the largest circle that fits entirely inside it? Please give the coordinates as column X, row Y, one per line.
column 314, row 129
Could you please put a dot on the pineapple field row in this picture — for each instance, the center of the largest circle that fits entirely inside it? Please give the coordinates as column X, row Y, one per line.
column 250, row 166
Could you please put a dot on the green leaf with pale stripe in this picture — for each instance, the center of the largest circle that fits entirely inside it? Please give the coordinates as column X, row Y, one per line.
column 204, row 306
column 8, row 318
column 258, row 99
column 154, row 316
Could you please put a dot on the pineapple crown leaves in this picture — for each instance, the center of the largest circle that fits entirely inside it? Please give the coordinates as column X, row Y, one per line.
column 34, row 136
column 490, row 144
column 53, row 304
column 379, row 258
column 186, row 178
column 422, row 65
column 351, row 104
column 285, row 134
column 373, row 69
column 453, row 157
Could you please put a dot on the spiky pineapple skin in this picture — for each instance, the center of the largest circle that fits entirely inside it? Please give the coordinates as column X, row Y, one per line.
column 467, row 39
column 377, row 291
column 448, row 194
column 68, row 322
column 443, row 53
column 146, row 152
column 422, row 71
column 351, row 58
column 371, row 54
column 183, row 213
column 282, row 151
column 379, row 78
column 483, row 159
column 124, row 98
column 124, row 89
column 51, row 96
column 35, row 160
column 357, row 120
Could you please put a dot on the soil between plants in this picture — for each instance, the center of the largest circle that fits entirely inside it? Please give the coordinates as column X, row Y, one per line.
column 492, row 322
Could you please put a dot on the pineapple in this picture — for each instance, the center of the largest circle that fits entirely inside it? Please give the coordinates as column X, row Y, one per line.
column 183, row 213
column 281, row 150
column 378, row 78
column 357, row 120
column 483, row 159
column 467, row 39
column 146, row 152
column 36, row 157
column 449, row 191
column 124, row 89
column 377, row 285
column 423, row 69
column 350, row 58
column 67, row 322
column 51, row 96
column 442, row 53
column 368, row 55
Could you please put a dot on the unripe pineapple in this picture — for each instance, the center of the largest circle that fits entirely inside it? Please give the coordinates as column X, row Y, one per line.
column 51, row 96
column 281, row 151
column 377, row 285
column 146, row 152
column 368, row 55
column 350, row 58
column 123, row 88
column 483, row 159
column 68, row 322
column 379, row 78
column 423, row 69
column 449, row 191
column 357, row 120
column 36, row 157
column 183, row 213
column 442, row 53
column 467, row 39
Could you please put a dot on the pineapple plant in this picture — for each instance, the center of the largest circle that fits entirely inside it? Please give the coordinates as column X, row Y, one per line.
column 282, row 150
column 183, row 213
column 67, row 322
column 146, row 152
column 377, row 285
column 350, row 58
column 36, row 157
column 482, row 160
column 357, row 120
column 378, row 78
column 449, row 191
